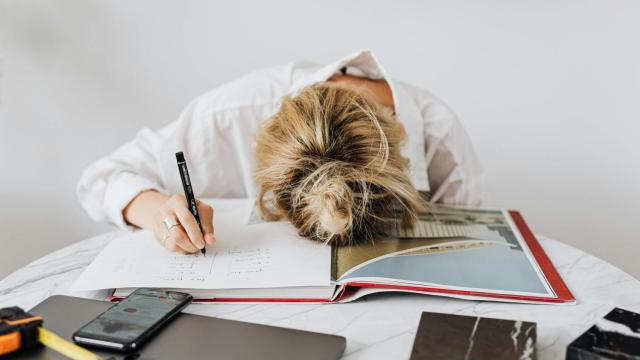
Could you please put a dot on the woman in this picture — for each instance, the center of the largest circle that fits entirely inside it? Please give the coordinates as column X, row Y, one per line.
column 334, row 149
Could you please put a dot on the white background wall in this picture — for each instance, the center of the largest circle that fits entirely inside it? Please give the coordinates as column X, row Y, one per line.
column 548, row 90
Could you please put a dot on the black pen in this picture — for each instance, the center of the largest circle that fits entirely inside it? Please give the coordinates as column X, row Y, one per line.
column 188, row 192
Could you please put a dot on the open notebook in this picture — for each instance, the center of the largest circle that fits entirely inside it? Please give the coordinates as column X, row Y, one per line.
column 476, row 254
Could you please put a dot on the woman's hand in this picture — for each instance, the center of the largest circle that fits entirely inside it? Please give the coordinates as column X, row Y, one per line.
column 149, row 210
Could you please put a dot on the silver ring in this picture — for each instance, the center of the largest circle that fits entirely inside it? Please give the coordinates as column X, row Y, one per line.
column 169, row 223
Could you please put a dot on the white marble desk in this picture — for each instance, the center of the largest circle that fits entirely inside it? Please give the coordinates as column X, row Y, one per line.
column 381, row 326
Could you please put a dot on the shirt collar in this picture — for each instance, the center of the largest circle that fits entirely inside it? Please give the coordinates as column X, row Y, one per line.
column 407, row 112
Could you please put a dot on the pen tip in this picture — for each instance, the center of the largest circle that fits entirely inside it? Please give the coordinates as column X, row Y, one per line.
column 203, row 251
column 180, row 156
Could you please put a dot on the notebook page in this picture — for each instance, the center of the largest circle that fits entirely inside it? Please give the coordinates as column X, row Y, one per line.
column 245, row 256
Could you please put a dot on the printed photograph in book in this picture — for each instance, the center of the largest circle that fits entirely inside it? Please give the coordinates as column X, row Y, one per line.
column 449, row 248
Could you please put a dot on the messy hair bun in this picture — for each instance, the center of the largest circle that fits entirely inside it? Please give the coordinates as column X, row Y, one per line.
column 330, row 159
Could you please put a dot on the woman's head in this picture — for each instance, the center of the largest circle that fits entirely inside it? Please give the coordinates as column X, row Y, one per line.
column 330, row 159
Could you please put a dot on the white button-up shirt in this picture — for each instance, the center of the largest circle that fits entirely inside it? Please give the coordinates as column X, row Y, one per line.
column 216, row 132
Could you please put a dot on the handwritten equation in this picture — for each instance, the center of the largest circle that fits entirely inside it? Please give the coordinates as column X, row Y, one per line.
column 194, row 267
column 247, row 262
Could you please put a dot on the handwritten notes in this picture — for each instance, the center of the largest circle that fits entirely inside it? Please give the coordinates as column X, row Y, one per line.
column 257, row 256
column 245, row 262
column 194, row 267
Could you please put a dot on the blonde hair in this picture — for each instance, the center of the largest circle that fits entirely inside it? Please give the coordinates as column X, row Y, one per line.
column 330, row 161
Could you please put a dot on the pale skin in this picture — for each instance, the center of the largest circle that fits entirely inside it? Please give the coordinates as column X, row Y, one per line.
column 149, row 208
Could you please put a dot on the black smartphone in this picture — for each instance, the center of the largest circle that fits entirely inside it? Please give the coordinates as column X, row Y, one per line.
column 128, row 324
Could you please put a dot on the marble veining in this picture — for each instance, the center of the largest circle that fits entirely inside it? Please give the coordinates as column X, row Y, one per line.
column 471, row 338
column 528, row 349
column 618, row 328
column 514, row 334
column 447, row 337
column 381, row 326
column 616, row 336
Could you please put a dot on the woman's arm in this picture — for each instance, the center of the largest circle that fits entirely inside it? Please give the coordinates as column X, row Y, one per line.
column 378, row 88
column 127, row 188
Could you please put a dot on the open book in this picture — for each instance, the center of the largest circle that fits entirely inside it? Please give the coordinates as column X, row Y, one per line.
column 476, row 254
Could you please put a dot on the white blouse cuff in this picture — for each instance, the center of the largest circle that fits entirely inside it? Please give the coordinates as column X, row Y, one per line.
column 122, row 188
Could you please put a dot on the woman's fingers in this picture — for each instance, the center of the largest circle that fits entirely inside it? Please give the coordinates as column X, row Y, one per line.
column 178, row 205
column 187, row 236
column 206, row 219
column 168, row 239
column 180, row 239
column 175, row 239
column 170, row 244
column 190, row 226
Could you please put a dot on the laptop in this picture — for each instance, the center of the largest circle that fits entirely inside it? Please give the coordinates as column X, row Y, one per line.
column 189, row 336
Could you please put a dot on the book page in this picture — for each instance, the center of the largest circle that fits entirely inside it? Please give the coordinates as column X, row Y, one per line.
column 259, row 256
column 453, row 248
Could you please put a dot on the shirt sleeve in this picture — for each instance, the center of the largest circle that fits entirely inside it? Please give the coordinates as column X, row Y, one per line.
column 108, row 185
column 454, row 170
